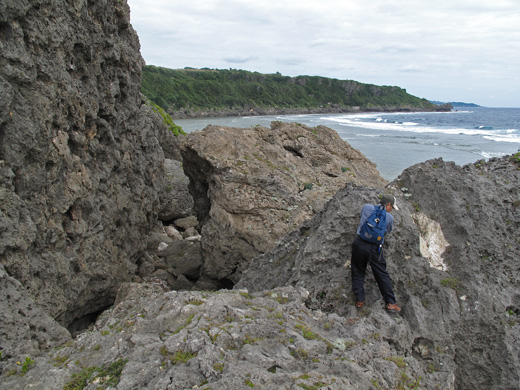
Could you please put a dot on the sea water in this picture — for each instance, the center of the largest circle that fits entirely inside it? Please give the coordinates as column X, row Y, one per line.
column 395, row 141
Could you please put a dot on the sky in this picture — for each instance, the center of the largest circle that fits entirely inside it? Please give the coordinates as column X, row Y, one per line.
column 447, row 50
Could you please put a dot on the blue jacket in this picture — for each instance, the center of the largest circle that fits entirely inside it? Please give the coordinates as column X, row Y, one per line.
column 367, row 211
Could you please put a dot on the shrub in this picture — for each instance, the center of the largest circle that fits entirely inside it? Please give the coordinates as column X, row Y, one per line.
column 167, row 120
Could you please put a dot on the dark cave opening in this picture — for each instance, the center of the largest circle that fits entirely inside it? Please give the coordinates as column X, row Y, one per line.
column 81, row 324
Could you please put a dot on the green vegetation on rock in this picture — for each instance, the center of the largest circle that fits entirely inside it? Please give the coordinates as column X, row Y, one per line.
column 167, row 120
column 188, row 88
column 105, row 376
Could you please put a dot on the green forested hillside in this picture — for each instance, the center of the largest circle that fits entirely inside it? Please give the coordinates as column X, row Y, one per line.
column 174, row 89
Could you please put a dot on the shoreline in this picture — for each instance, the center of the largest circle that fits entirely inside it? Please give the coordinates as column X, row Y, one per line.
column 389, row 143
column 263, row 111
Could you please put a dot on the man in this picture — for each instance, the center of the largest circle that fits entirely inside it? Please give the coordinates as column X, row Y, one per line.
column 365, row 252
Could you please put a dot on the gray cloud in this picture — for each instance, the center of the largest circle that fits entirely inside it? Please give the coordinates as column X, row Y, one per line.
column 239, row 60
column 290, row 61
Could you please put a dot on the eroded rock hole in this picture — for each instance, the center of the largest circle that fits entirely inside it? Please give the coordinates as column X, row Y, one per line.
column 293, row 151
column 83, row 323
column 226, row 284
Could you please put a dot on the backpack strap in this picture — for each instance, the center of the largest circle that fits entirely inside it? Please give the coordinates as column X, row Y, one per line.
column 383, row 208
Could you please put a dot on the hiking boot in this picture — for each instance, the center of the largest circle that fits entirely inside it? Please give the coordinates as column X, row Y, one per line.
column 392, row 307
column 360, row 304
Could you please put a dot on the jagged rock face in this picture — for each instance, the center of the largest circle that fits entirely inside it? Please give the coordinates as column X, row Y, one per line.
column 80, row 155
column 478, row 207
column 466, row 317
column 253, row 186
column 317, row 255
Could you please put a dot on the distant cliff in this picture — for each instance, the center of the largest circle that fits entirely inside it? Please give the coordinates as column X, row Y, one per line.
column 211, row 92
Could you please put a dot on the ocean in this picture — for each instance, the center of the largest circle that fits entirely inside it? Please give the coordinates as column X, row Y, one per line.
column 396, row 141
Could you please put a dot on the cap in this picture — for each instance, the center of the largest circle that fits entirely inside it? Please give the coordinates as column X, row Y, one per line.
column 385, row 199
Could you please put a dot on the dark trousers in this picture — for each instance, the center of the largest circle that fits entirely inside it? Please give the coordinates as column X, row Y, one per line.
column 364, row 253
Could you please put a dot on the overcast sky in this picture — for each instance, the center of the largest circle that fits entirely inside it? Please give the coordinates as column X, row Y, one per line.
column 446, row 50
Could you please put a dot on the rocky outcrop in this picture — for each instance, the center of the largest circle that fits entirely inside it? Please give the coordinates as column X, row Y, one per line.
column 230, row 340
column 296, row 325
column 253, row 186
column 82, row 169
column 460, row 300
column 25, row 328
column 96, row 213
column 478, row 207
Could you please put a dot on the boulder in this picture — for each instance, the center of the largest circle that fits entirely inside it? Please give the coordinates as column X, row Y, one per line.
column 182, row 283
column 183, row 258
column 253, row 186
column 187, row 222
column 155, row 238
column 173, row 233
column 163, row 276
column 176, row 200
column 190, row 232
column 146, row 268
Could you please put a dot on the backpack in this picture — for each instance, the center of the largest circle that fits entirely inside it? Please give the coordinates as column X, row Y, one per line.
column 374, row 228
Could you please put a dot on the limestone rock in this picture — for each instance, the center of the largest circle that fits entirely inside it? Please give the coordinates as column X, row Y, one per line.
column 146, row 268
column 194, row 238
column 253, row 186
column 155, row 237
column 296, row 323
column 433, row 243
column 478, row 208
column 187, row 222
column 176, row 200
column 182, row 283
column 84, row 181
column 466, row 309
column 25, row 327
column 234, row 340
column 183, row 258
column 82, row 166
column 163, row 276
column 173, row 233
column 190, row 232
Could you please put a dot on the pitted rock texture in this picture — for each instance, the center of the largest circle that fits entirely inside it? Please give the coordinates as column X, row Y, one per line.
column 24, row 326
column 478, row 207
column 177, row 201
column 470, row 312
column 82, row 167
column 237, row 340
column 253, row 186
